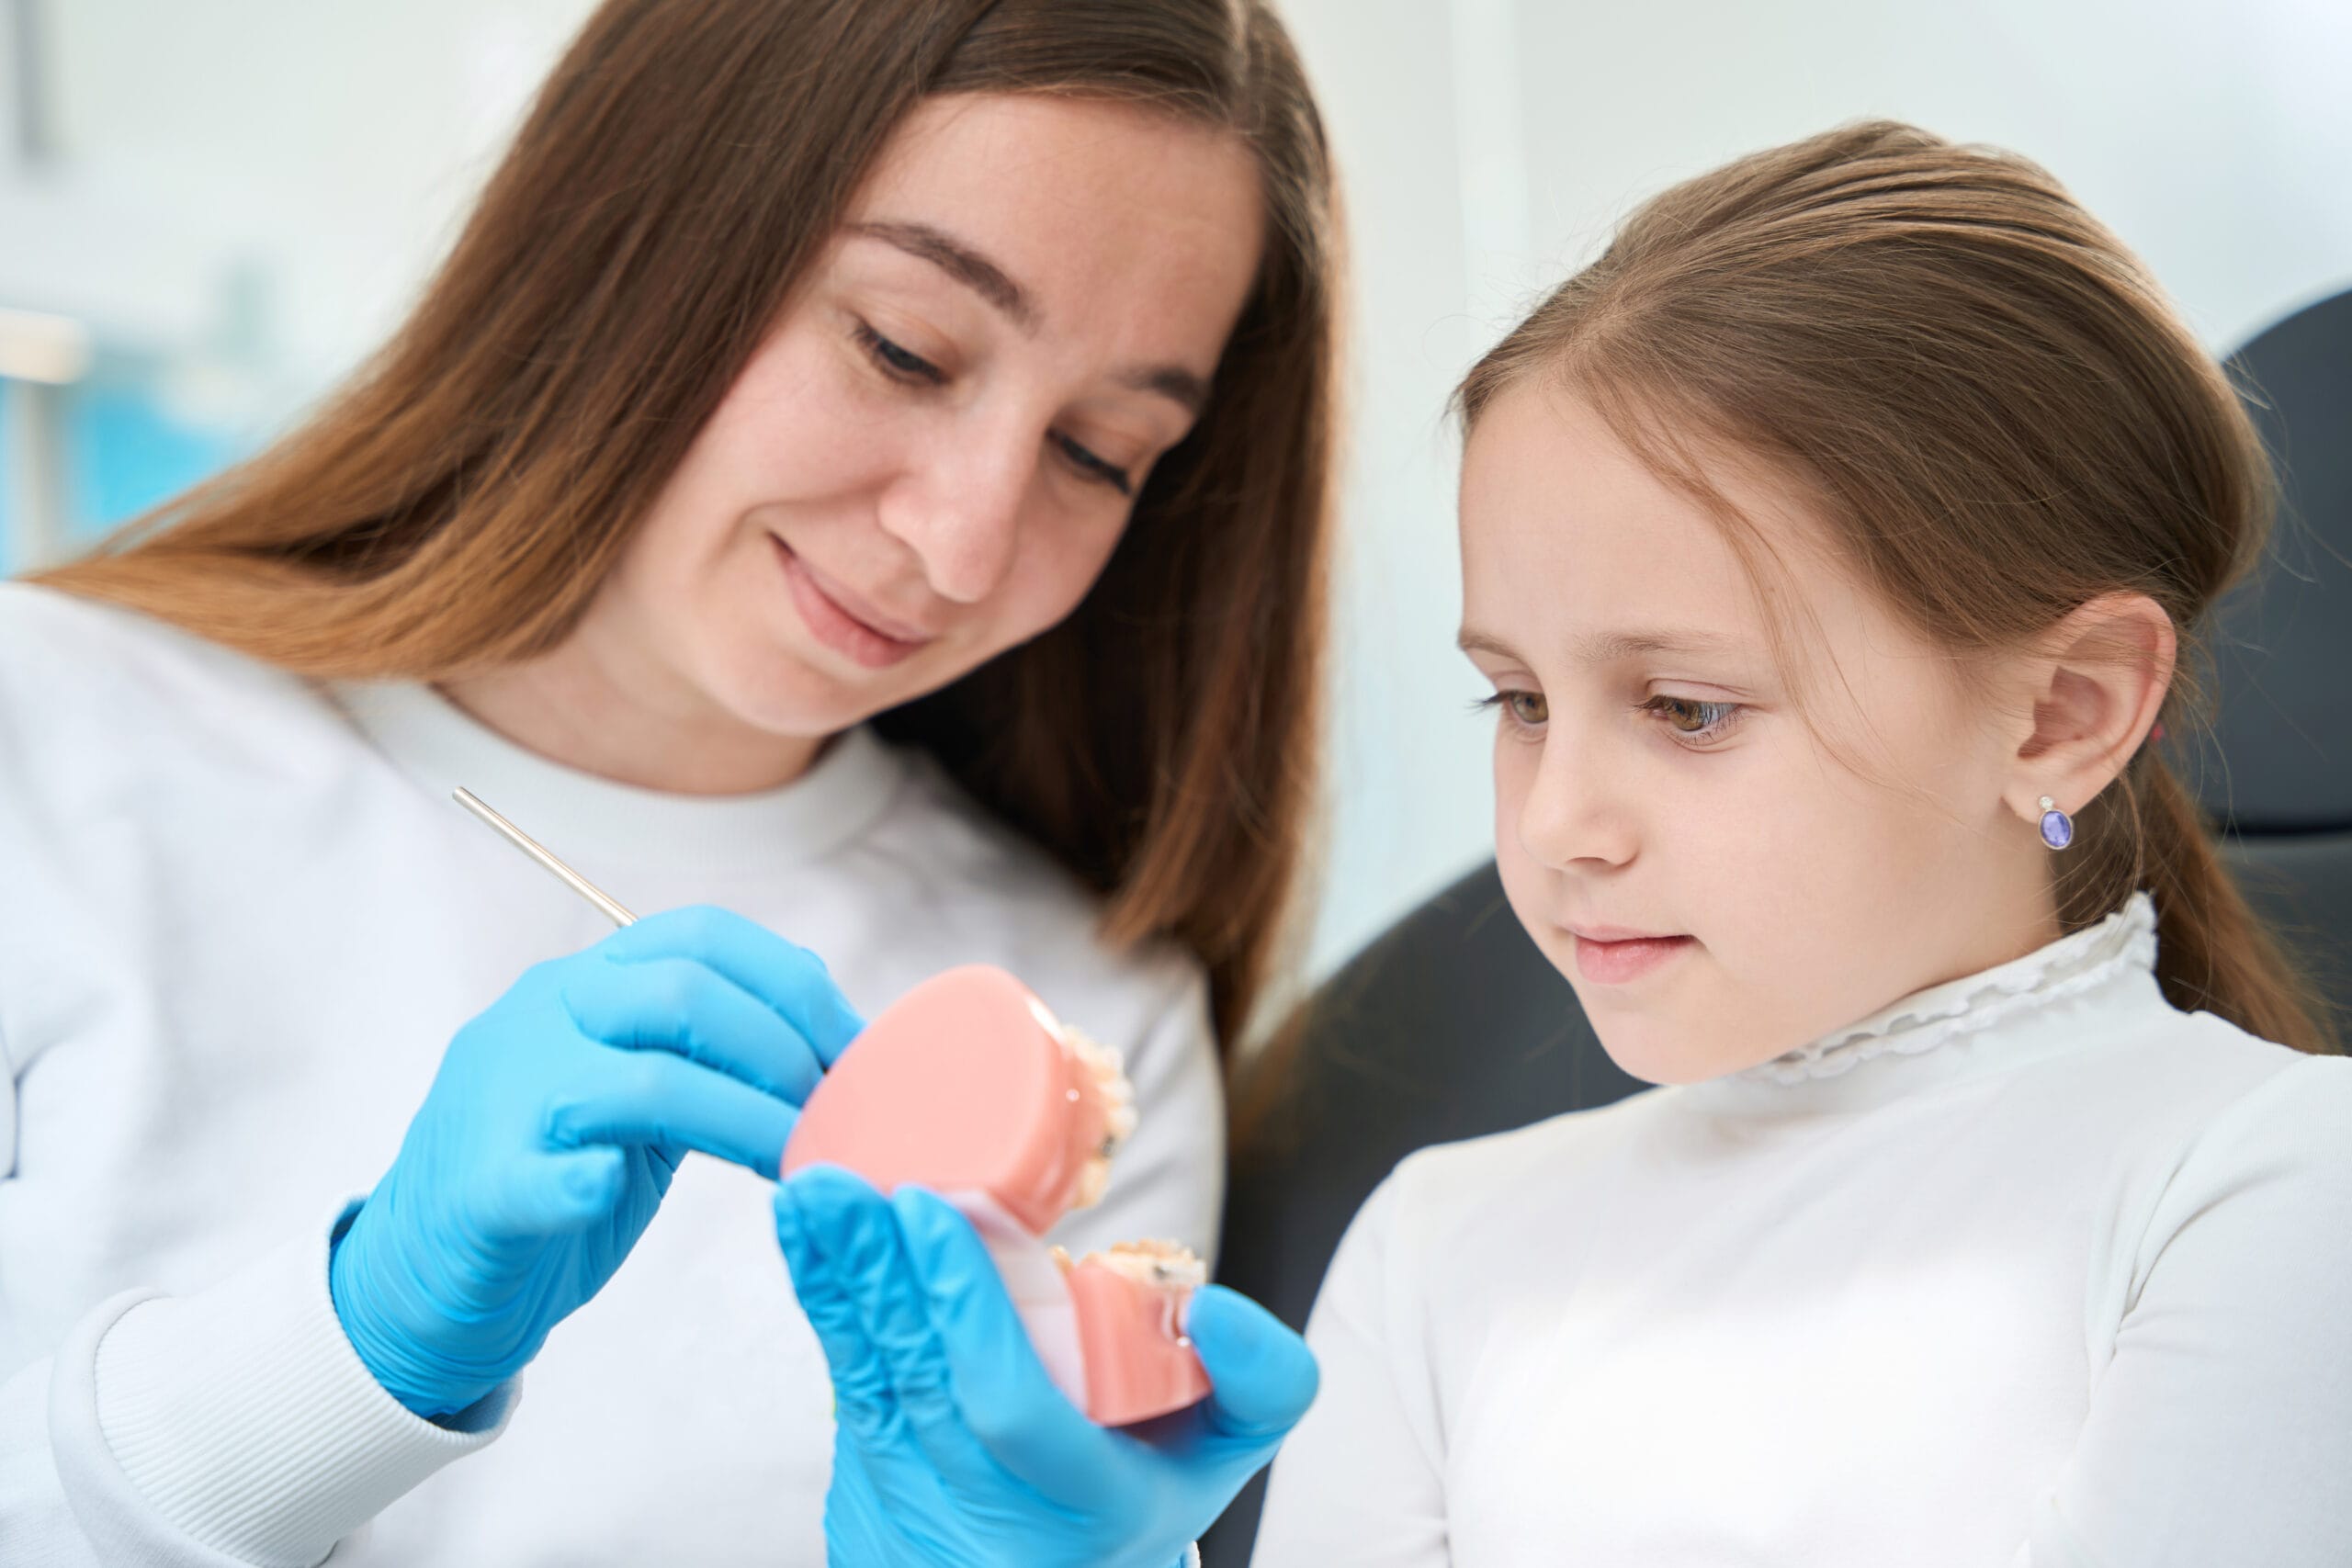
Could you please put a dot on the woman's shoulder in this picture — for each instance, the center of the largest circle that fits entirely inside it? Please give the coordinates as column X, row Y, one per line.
column 58, row 649
column 86, row 685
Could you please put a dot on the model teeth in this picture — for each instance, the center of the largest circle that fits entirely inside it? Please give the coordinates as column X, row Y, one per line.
column 1163, row 1264
column 1110, row 1075
column 1117, row 1097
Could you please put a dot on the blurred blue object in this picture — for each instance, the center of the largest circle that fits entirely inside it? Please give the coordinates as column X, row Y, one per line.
column 124, row 450
column 127, row 452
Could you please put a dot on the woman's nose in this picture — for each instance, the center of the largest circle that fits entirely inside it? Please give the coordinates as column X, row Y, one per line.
column 959, row 509
column 1573, row 810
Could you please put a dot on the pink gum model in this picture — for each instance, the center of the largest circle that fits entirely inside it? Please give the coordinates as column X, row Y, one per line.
column 968, row 1086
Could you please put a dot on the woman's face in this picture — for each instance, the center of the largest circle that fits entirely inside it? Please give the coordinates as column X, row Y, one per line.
column 932, row 456
column 1653, row 779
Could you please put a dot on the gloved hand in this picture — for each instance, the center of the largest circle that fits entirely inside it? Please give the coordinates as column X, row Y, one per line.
column 551, row 1132
column 953, row 1447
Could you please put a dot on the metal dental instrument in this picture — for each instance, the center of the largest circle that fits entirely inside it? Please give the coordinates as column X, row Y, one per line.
column 531, row 846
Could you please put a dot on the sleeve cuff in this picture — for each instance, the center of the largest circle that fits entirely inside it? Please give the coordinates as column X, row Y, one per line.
column 238, row 1423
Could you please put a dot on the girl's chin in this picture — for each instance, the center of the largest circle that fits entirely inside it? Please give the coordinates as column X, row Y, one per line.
column 1655, row 1051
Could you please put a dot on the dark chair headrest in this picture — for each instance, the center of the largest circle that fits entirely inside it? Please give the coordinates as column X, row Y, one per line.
column 2279, row 760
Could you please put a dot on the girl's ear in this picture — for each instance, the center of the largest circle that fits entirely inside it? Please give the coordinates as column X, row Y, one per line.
column 2095, row 685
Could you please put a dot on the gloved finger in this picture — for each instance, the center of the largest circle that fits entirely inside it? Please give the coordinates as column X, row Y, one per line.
column 554, row 1195
column 858, row 1229
column 791, row 980
column 862, row 1401
column 1262, row 1376
column 676, row 1004
column 1010, row 1401
column 653, row 1097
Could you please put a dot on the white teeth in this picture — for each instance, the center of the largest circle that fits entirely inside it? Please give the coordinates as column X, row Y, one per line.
column 1103, row 1063
column 1117, row 1096
column 1157, row 1263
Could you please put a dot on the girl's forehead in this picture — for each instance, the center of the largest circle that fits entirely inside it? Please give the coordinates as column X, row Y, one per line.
column 1560, row 520
column 1570, row 538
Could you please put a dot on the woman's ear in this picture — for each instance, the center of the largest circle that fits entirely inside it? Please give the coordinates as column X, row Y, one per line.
column 2093, row 686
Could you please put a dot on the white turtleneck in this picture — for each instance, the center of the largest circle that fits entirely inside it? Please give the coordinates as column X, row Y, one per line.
column 239, row 921
column 2029, row 1269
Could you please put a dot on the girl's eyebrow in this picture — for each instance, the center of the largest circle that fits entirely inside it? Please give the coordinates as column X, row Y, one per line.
column 1605, row 648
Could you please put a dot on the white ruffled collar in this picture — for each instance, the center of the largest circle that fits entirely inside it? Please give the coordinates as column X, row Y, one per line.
column 2122, row 943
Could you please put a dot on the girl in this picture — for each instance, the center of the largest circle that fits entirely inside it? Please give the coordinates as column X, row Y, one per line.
column 1835, row 545
column 885, row 498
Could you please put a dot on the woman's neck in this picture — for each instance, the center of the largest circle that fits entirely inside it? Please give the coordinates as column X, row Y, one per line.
column 632, row 721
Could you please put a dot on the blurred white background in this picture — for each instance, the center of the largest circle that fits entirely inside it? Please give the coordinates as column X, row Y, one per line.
column 210, row 209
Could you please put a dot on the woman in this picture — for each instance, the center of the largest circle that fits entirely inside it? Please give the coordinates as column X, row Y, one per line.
column 977, row 385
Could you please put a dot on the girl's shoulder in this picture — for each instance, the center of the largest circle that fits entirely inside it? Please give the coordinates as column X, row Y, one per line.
column 2195, row 1081
column 2253, row 1114
column 1518, row 1183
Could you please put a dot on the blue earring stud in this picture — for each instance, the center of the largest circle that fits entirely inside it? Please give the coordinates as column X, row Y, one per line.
column 2057, row 828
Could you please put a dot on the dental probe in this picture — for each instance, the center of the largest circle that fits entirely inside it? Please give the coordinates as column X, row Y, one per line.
column 531, row 846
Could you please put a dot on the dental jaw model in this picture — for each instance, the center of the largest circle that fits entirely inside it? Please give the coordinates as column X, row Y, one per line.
column 969, row 1085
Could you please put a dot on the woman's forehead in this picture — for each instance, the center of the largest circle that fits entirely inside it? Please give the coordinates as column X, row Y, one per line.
column 1090, row 215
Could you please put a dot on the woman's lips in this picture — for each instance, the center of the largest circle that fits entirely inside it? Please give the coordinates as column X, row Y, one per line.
column 835, row 625
column 1615, row 962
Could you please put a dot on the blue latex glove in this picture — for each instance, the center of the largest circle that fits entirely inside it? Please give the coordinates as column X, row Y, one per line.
column 953, row 1447
column 551, row 1132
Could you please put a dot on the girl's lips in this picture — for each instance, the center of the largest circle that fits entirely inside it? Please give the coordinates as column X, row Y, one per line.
column 834, row 625
column 1616, row 962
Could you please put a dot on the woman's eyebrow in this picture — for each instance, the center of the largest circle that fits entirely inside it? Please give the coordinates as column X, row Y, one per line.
column 960, row 261
column 993, row 284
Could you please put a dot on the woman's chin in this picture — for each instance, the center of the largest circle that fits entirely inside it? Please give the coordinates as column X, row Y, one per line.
column 783, row 691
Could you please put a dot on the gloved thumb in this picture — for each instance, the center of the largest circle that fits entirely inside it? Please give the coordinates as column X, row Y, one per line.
column 1262, row 1376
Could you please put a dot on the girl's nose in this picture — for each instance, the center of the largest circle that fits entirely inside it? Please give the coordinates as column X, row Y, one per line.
column 960, row 510
column 1573, row 811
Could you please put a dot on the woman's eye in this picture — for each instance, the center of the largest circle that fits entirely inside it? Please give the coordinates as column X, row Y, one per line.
column 1094, row 467
column 1524, row 710
column 1690, row 719
column 898, row 361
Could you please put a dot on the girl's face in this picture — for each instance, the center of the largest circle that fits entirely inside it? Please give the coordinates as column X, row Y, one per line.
column 1652, row 779
column 933, row 454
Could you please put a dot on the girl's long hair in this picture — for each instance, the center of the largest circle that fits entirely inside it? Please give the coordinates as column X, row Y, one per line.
column 2000, row 416
column 457, row 503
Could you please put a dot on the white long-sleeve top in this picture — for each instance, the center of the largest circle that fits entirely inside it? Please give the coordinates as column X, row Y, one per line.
column 2029, row 1268
column 239, row 921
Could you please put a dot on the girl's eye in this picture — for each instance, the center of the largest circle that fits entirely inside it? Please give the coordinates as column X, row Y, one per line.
column 1690, row 720
column 1096, row 468
column 1523, row 710
column 898, row 361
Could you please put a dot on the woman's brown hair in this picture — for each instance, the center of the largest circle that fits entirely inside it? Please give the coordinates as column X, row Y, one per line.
column 456, row 506
column 2001, row 418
